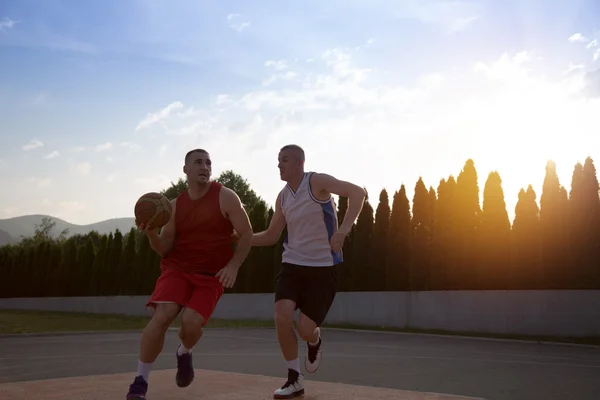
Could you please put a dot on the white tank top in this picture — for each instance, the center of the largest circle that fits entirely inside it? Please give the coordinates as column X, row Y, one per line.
column 310, row 225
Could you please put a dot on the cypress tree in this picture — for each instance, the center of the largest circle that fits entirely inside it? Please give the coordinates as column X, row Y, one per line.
column 397, row 264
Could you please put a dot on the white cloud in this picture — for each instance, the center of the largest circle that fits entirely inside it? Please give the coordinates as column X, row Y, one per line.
column 162, row 151
column 34, row 144
column 7, row 23
column 40, row 98
column 506, row 67
column 504, row 106
column 236, row 22
column 70, row 207
column 450, row 16
column 130, row 145
column 104, row 146
column 153, row 183
column 45, row 203
column 572, row 67
column 52, row 155
column 432, row 80
column 222, row 99
column 78, row 149
column 83, row 168
column 577, row 37
column 112, row 177
column 10, row 211
column 45, row 182
column 592, row 43
column 278, row 65
column 158, row 116
column 288, row 75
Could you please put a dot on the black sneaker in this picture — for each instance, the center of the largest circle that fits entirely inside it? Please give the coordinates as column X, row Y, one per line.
column 138, row 389
column 294, row 386
column 313, row 358
column 185, row 370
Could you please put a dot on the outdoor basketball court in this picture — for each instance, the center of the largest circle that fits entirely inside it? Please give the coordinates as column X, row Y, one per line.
column 246, row 364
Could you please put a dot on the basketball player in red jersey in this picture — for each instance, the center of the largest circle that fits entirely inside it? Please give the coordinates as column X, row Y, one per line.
column 198, row 262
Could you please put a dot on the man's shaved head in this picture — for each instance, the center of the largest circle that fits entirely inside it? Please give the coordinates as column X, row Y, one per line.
column 294, row 149
column 189, row 153
column 291, row 162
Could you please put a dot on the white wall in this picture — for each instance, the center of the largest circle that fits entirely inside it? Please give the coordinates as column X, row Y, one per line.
column 555, row 313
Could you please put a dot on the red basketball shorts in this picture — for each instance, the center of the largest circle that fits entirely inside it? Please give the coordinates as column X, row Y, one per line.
column 199, row 292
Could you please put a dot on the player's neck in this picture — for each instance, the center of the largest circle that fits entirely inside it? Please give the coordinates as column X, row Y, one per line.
column 295, row 181
column 198, row 190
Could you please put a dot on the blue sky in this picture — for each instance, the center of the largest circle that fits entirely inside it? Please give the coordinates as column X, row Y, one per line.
column 100, row 100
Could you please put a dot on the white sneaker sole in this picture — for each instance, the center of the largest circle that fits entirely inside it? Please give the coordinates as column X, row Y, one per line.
column 289, row 396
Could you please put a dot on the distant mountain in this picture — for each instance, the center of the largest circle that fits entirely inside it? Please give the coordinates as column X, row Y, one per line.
column 5, row 238
column 25, row 226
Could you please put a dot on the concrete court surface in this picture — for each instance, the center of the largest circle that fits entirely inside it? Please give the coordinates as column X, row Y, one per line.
column 230, row 361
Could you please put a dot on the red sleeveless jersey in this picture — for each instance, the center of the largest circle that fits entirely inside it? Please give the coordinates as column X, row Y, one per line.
column 202, row 234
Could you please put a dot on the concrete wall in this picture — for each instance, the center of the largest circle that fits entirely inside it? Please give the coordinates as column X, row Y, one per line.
column 557, row 313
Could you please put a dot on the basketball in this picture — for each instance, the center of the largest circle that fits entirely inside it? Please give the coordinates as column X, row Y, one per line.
column 153, row 209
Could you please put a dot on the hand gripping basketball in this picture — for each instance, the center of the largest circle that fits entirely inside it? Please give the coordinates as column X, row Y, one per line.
column 152, row 211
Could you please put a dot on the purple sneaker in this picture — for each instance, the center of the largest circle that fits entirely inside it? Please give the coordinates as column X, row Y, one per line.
column 185, row 370
column 138, row 389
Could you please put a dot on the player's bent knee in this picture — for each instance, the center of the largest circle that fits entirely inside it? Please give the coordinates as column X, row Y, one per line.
column 165, row 314
column 284, row 312
column 192, row 320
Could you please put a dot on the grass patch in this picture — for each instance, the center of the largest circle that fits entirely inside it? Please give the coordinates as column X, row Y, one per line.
column 34, row 321
column 594, row 340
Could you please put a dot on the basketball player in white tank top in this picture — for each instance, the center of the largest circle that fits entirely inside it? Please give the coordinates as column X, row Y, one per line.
column 312, row 247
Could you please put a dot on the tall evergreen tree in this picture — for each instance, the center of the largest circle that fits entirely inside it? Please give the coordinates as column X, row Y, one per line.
column 86, row 265
column 115, row 262
column 590, row 267
column 494, row 267
column 129, row 274
column 526, row 267
column 377, row 276
column 419, row 271
column 554, row 226
column 397, row 264
column 444, row 237
column 346, row 270
column 362, row 261
column 579, row 224
column 468, row 213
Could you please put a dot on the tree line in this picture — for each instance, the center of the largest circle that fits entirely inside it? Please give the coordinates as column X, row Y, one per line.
column 441, row 239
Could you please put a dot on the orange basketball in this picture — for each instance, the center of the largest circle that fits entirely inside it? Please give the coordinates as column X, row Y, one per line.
column 153, row 209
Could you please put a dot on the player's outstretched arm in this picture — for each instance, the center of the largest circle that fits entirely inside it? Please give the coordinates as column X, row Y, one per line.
column 324, row 185
column 273, row 232
column 163, row 243
column 234, row 209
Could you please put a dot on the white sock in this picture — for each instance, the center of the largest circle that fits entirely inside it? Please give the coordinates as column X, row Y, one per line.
column 181, row 350
column 316, row 342
column 294, row 364
column 144, row 370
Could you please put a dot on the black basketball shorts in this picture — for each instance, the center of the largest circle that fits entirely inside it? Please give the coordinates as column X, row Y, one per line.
column 313, row 289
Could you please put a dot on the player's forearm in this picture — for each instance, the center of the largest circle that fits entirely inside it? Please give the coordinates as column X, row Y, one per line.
column 356, row 200
column 264, row 238
column 159, row 244
column 242, row 249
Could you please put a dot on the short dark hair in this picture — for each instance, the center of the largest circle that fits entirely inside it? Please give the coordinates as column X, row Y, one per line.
column 189, row 153
column 295, row 147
